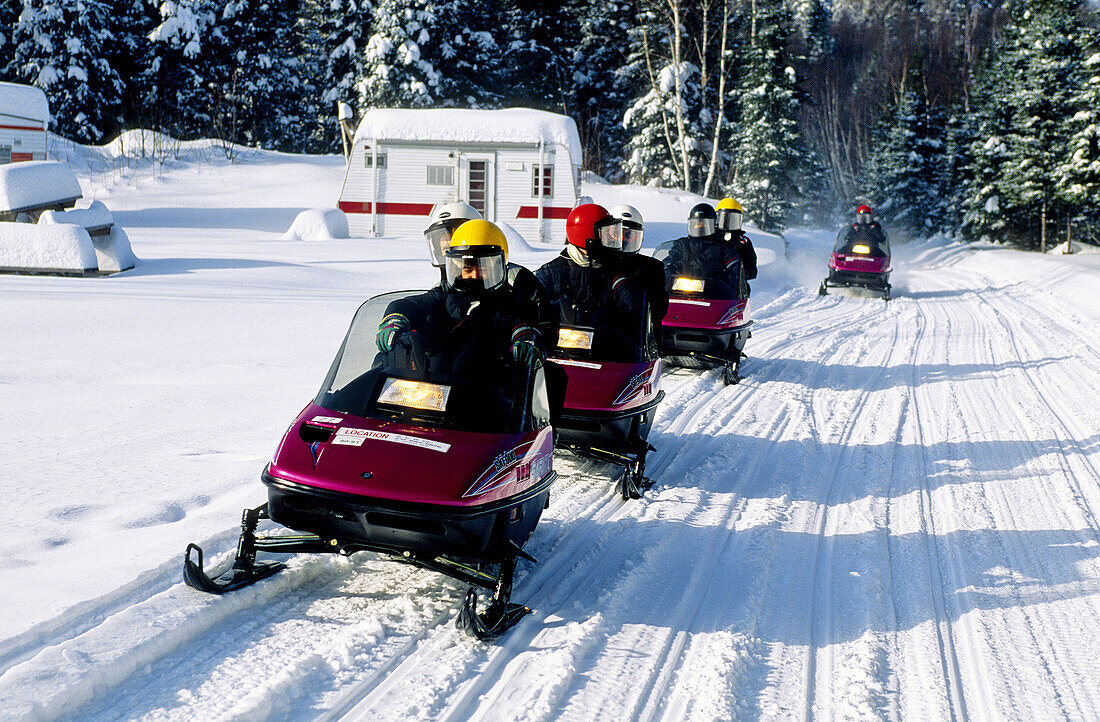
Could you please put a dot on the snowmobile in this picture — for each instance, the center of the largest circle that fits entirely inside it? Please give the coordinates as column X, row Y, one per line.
column 612, row 394
column 708, row 320
column 859, row 263
column 448, row 474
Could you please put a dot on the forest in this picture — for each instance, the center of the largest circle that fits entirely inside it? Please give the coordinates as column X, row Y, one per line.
column 974, row 118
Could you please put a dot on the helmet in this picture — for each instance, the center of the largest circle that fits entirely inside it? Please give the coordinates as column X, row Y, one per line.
column 632, row 224
column 580, row 225
column 864, row 214
column 477, row 258
column 730, row 215
column 445, row 219
column 702, row 221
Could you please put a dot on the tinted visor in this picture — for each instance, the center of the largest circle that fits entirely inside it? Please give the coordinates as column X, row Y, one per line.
column 609, row 233
column 474, row 268
column 699, row 227
column 729, row 219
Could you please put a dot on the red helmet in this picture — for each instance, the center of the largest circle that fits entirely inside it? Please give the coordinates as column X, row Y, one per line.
column 580, row 226
column 864, row 214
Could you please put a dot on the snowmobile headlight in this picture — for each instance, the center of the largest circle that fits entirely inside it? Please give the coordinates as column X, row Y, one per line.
column 575, row 338
column 415, row 394
column 860, row 248
column 688, row 285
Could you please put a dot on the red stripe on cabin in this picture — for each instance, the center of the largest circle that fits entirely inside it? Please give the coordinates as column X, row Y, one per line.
column 547, row 212
column 23, row 127
column 393, row 209
column 16, row 157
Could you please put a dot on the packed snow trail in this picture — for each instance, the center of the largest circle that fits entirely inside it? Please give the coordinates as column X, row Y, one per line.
column 894, row 514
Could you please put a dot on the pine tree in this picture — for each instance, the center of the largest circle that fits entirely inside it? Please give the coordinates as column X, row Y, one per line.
column 181, row 71
column 907, row 162
column 539, row 58
column 1078, row 178
column 770, row 153
column 1043, row 61
column 336, row 38
column 61, row 47
column 433, row 53
column 603, row 83
column 9, row 15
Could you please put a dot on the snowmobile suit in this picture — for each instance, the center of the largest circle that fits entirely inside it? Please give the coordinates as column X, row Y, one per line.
column 709, row 258
column 649, row 273
column 611, row 301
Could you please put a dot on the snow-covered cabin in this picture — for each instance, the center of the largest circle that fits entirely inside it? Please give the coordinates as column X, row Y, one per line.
column 404, row 162
column 24, row 116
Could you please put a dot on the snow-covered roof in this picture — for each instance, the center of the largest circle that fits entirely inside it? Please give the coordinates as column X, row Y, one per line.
column 24, row 101
column 458, row 125
column 36, row 184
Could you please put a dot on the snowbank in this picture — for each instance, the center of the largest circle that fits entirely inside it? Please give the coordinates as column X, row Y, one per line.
column 93, row 218
column 46, row 249
column 318, row 224
column 37, row 184
column 510, row 125
column 24, row 102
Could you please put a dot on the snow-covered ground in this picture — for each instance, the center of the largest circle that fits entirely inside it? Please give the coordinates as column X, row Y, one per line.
column 894, row 515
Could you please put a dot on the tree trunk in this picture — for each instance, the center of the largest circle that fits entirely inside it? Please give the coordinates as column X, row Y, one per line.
column 1043, row 229
column 719, row 111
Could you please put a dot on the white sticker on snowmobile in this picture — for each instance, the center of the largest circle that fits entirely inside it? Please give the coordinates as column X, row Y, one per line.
column 327, row 419
column 689, row 302
column 356, row 437
column 582, row 364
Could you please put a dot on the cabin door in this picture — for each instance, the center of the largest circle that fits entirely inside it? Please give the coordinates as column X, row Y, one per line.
column 480, row 185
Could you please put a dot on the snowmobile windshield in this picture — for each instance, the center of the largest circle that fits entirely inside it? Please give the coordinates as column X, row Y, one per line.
column 702, row 268
column 410, row 384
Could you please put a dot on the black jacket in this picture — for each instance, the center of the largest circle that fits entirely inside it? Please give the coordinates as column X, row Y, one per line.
column 710, row 259
column 870, row 233
column 608, row 299
column 465, row 336
column 741, row 241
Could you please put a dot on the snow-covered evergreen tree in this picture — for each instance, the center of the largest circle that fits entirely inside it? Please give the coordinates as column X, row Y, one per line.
column 336, row 37
column 904, row 175
column 538, row 61
column 433, row 52
column 770, row 153
column 603, row 82
column 61, row 47
column 1078, row 177
column 1042, row 61
column 182, row 67
column 9, row 16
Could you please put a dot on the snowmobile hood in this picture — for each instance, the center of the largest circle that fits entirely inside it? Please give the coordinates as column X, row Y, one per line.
column 860, row 263
column 610, row 386
column 707, row 313
column 391, row 460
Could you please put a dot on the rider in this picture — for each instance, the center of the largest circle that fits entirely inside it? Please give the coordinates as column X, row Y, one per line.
column 648, row 270
column 474, row 320
column 704, row 255
column 865, row 229
column 529, row 292
column 588, row 287
column 729, row 217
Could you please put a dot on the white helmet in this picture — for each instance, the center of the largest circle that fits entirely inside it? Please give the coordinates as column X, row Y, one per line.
column 445, row 219
column 632, row 223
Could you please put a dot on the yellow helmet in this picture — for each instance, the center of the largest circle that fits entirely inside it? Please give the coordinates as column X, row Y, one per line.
column 729, row 204
column 478, row 232
column 477, row 259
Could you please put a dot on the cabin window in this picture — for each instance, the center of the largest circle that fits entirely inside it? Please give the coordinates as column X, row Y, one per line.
column 368, row 159
column 547, row 181
column 441, row 175
column 5, row 154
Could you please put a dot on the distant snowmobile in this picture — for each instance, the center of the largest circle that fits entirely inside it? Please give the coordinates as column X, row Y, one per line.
column 449, row 474
column 861, row 257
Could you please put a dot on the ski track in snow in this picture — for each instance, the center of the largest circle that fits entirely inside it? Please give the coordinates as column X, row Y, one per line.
column 893, row 515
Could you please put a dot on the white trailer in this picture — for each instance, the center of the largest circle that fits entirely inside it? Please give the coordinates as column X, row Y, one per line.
column 24, row 117
column 404, row 162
